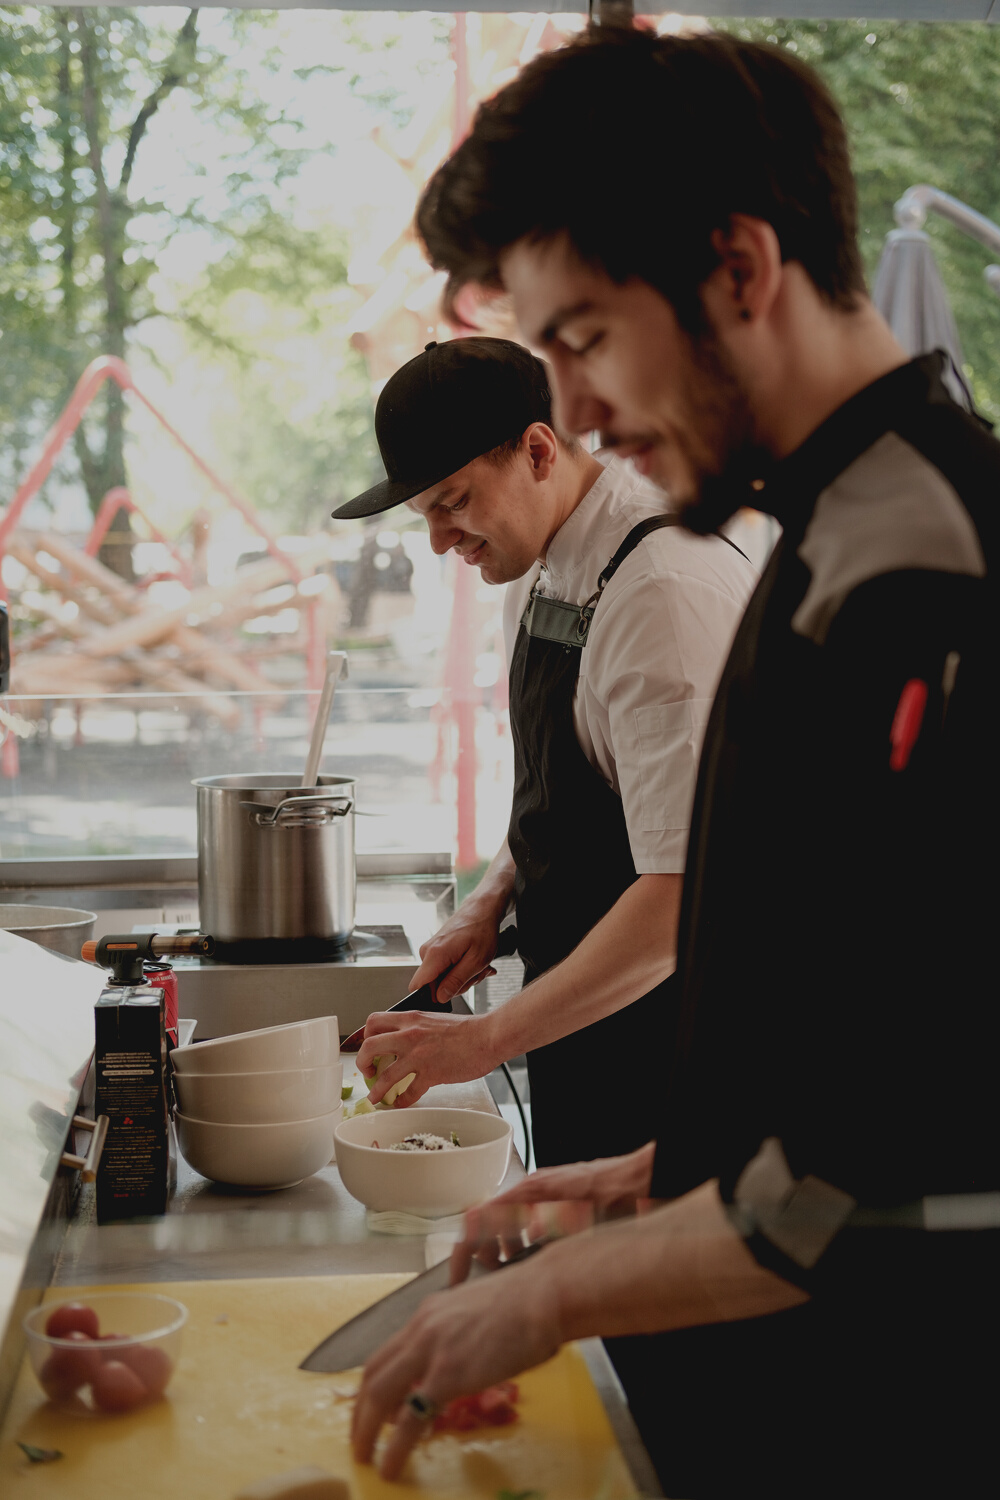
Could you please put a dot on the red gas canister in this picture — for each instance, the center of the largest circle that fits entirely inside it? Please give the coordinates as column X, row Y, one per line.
column 164, row 977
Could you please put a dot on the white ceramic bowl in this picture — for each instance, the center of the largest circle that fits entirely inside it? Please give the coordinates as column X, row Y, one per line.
column 430, row 1183
column 301, row 1044
column 258, row 1156
column 260, row 1098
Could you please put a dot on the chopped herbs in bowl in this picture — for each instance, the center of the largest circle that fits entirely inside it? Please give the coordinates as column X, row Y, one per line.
column 425, row 1160
column 424, row 1140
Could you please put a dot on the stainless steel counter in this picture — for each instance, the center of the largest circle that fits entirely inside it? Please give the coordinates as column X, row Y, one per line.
column 313, row 1229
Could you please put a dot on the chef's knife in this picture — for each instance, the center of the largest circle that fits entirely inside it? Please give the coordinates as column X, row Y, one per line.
column 423, row 999
column 355, row 1342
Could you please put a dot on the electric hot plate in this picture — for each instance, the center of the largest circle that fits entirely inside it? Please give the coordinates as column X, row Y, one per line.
column 244, row 987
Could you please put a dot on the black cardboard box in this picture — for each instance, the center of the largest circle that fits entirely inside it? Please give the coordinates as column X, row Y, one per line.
column 130, row 1062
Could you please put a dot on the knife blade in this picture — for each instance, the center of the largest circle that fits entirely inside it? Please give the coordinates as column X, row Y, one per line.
column 422, row 999
column 357, row 1340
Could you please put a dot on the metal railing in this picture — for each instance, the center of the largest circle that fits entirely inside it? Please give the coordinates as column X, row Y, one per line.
column 911, row 213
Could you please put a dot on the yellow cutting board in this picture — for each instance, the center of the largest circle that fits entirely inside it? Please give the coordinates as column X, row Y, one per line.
column 238, row 1408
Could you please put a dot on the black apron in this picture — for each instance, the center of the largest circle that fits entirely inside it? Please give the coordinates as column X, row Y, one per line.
column 570, row 844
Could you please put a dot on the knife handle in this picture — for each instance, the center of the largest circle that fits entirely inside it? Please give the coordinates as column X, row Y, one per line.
column 423, row 998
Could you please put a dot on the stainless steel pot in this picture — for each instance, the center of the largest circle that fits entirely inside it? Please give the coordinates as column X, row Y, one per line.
column 275, row 860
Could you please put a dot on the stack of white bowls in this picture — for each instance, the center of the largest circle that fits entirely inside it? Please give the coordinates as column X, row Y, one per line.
column 259, row 1109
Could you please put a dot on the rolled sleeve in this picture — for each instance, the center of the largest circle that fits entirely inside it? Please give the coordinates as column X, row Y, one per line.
column 657, row 772
column 668, row 744
column 645, row 701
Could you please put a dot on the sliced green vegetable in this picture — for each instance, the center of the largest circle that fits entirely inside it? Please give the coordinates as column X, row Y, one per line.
column 346, row 1093
column 454, row 1138
column 392, row 1094
column 39, row 1455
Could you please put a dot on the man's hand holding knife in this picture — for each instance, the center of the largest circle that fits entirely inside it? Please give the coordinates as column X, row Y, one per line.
column 442, row 1352
column 444, row 1048
column 663, row 1267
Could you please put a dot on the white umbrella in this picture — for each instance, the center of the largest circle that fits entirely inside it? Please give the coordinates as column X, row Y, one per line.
column 910, row 295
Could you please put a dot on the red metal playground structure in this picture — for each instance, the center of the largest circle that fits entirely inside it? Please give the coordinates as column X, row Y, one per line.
column 117, row 639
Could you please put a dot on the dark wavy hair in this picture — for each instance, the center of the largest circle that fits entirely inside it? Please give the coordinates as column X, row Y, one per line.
column 638, row 147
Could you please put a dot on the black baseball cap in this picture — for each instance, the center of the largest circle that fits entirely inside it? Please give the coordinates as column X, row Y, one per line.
column 453, row 403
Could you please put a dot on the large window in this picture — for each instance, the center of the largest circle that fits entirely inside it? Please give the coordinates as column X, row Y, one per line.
column 220, row 202
column 216, row 207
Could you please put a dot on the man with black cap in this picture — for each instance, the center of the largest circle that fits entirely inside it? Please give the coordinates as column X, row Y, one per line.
column 617, row 624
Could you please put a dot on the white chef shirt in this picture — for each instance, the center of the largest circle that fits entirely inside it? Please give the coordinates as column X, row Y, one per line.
column 658, row 642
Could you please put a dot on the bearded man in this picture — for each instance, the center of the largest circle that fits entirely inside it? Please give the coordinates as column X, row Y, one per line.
column 822, row 1284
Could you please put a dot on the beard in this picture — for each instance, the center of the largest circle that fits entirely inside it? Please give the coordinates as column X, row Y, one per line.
column 719, row 444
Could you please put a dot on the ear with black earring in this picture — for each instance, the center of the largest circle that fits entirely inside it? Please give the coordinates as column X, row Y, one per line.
column 739, row 278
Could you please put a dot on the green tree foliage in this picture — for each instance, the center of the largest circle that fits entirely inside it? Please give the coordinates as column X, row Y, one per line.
column 82, row 96
column 922, row 103
column 30, row 343
column 88, row 84
column 271, row 311
column 391, row 56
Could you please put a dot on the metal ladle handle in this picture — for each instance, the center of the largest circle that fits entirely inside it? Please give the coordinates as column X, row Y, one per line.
column 336, row 667
column 325, row 799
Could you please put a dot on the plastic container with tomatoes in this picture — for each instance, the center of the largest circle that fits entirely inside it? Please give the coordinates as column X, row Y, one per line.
column 110, row 1354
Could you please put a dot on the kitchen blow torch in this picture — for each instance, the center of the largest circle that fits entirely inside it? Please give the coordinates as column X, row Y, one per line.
column 126, row 953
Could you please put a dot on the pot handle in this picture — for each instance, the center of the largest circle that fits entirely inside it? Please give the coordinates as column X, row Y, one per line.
column 321, row 802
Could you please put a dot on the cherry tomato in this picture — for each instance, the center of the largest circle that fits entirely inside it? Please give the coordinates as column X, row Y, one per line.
column 61, row 1376
column 56, row 1381
column 72, row 1317
column 117, row 1388
column 153, row 1367
column 66, row 1370
column 84, row 1351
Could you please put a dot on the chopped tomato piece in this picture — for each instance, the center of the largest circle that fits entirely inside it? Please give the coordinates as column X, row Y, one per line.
column 493, row 1407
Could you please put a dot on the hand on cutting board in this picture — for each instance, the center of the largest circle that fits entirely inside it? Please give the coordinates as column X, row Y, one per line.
column 682, row 1265
column 437, row 1048
column 442, row 1352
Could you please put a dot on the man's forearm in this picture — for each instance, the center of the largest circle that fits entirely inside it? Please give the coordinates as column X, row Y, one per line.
column 494, row 891
column 464, row 945
column 679, row 1267
column 631, row 950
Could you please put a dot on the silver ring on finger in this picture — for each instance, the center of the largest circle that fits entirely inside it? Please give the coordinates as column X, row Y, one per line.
column 422, row 1406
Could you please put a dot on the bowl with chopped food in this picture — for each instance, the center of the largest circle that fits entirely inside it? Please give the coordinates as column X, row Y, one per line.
column 431, row 1162
column 107, row 1355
